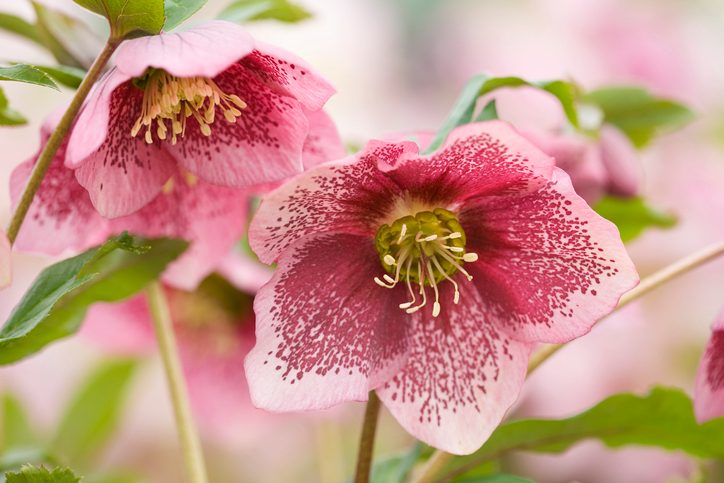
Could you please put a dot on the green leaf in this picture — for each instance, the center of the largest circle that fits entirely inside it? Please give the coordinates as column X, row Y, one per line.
column 249, row 10
column 93, row 414
column 128, row 18
column 462, row 112
column 396, row 469
column 40, row 474
column 19, row 26
column 69, row 40
column 664, row 418
column 8, row 116
column 178, row 11
column 16, row 429
column 632, row 216
column 63, row 74
column 28, row 74
column 489, row 112
column 499, row 478
column 14, row 459
column 56, row 303
column 638, row 113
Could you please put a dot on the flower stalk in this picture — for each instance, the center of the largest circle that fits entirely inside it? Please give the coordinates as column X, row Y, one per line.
column 188, row 435
column 367, row 440
column 428, row 473
column 51, row 147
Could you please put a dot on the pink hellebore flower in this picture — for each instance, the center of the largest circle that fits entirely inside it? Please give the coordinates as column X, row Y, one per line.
column 5, row 261
column 209, row 100
column 427, row 279
column 214, row 326
column 213, row 218
column 709, row 392
column 609, row 166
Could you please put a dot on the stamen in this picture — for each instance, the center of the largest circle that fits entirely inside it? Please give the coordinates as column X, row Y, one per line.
column 456, row 297
column 454, row 249
column 470, row 257
column 403, row 231
column 422, row 290
column 454, row 263
column 389, row 259
column 436, row 305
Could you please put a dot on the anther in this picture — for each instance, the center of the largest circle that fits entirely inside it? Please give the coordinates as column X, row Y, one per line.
column 389, row 259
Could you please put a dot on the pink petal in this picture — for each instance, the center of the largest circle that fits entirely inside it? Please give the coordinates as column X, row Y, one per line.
column 549, row 267
column 6, row 266
column 243, row 271
column 205, row 50
column 289, row 74
column 124, row 173
column 461, row 377
column 347, row 196
column 212, row 218
column 91, row 126
column 323, row 142
column 621, row 161
column 61, row 216
column 122, row 328
column 326, row 333
column 709, row 391
column 263, row 145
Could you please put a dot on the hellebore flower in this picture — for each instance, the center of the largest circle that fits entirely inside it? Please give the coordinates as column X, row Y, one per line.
column 608, row 166
column 214, row 326
column 209, row 100
column 5, row 261
column 213, row 218
column 709, row 391
column 427, row 279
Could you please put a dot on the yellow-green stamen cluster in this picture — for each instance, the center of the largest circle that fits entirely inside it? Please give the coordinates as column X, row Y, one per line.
column 174, row 99
column 425, row 250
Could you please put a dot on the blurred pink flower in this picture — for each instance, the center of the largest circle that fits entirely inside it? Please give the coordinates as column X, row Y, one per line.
column 5, row 261
column 159, row 111
column 709, row 392
column 213, row 218
column 539, row 266
column 607, row 166
column 214, row 326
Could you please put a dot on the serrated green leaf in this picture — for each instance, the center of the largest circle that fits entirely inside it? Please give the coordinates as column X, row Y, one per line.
column 56, row 303
column 249, row 10
column 27, row 74
column 93, row 414
column 462, row 112
column 639, row 114
column 14, row 459
column 19, row 26
column 178, row 11
column 40, row 474
column 8, row 116
column 128, row 18
column 16, row 429
column 632, row 216
column 70, row 41
column 664, row 418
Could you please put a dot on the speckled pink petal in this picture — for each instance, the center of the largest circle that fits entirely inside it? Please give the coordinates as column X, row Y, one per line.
column 289, row 74
column 61, row 216
column 213, row 218
column 326, row 333
column 549, row 267
column 124, row 173
column 92, row 125
column 461, row 377
column 621, row 162
column 264, row 144
column 323, row 142
column 204, row 50
column 346, row 196
column 5, row 261
column 709, row 389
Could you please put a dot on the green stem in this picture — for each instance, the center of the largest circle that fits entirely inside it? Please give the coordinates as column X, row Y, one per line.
column 51, row 147
column 367, row 440
column 439, row 459
column 190, row 443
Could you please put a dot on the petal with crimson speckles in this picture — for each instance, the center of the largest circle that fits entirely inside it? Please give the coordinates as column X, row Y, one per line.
column 264, row 144
column 323, row 142
column 461, row 377
column 61, row 216
column 709, row 389
column 325, row 333
column 548, row 265
column 212, row 218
